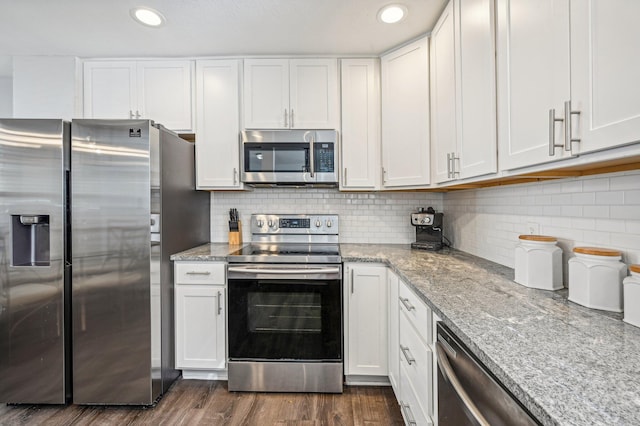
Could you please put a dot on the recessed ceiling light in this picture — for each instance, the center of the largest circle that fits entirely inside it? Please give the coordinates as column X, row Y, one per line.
column 147, row 16
column 392, row 13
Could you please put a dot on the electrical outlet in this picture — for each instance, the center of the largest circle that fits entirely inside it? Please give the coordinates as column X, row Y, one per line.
column 533, row 228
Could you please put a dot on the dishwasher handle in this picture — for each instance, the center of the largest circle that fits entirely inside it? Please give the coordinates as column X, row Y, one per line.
column 450, row 375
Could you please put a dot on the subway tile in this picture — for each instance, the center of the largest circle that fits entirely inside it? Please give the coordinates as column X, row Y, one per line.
column 610, row 197
column 630, row 181
column 632, row 197
column 625, row 212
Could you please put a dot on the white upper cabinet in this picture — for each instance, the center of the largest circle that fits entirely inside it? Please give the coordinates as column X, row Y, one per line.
column 291, row 94
column 476, row 89
column 605, row 67
column 360, row 145
column 533, row 79
column 444, row 136
column 158, row 90
column 405, row 116
column 218, row 124
column 569, row 89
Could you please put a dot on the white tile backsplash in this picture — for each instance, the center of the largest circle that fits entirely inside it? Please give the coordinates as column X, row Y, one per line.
column 370, row 217
column 602, row 210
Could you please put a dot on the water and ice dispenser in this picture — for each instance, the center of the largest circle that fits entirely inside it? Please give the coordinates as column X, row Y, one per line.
column 30, row 239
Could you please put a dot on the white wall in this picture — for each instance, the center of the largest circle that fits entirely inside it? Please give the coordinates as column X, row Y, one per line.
column 599, row 210
column 46, row 87
column 374, row 217
column 6, row 97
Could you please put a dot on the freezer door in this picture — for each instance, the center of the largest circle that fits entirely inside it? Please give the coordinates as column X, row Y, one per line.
column 111, row 196
column 33, row 171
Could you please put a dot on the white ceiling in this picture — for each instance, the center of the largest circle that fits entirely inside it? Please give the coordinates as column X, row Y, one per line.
column 104, row 28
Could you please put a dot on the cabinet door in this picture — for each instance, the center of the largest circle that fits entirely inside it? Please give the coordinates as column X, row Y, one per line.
column 476, row 88
column 366, row 319
column 200, row 326
column 218, row 124
column 165, row 93
column 360, row 124
column 394, row 332
column 266, row 93
column 405, row 116
column 443, row 95
column 313, row 96
column 605, row 66
column 533, row 77
column 110, row 89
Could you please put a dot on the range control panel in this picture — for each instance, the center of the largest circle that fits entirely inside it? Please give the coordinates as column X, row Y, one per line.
column 274, row 224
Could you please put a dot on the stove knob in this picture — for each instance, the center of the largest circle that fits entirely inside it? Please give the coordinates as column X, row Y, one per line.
column 318, row 223
column 260, row 223
column 329, row 223
column 270, row 223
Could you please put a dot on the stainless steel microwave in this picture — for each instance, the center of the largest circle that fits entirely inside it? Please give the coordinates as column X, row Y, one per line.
column 289, row 157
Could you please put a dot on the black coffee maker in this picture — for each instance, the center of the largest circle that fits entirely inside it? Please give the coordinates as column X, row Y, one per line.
column 428, row 225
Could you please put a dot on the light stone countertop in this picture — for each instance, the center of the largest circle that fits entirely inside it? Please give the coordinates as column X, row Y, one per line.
column 567, row 364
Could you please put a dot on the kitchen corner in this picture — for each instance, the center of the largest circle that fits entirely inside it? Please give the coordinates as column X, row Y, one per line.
column 567, row 364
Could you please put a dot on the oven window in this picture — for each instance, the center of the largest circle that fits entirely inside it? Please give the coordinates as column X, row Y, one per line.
column 285, row 312
column 285, row 319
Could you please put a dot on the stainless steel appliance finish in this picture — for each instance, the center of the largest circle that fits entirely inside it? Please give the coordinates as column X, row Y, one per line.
column 285, row 306
column 467, row 393
column 34, row 267
column 289, row 157
column 130, row 180
column 285, row 377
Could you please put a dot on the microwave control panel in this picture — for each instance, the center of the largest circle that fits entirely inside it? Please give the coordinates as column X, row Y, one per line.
column 324, row 157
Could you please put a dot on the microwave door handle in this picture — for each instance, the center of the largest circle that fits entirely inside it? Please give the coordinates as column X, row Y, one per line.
column 450, row 376
column 311, row 151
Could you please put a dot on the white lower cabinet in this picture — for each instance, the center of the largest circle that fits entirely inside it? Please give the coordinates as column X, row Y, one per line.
column 365, row 316
column 415, row 352
column 200, row 324
column 394, row 331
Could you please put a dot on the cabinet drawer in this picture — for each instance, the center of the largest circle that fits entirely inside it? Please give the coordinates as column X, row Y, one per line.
column 417, row 312
column 200, row 273
column 412, row 410
column 416, row 358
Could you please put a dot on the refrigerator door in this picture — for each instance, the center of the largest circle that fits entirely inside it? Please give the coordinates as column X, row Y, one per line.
column 112, row 326
column 33, row 171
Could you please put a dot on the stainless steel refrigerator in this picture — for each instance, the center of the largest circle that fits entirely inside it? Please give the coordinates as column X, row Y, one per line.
column 132, row 204
column 34, row 261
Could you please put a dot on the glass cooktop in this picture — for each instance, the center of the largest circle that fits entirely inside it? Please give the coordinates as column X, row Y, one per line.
column 287, row 253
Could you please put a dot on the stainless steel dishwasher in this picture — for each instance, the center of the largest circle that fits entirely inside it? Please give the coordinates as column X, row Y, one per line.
column 467, row 393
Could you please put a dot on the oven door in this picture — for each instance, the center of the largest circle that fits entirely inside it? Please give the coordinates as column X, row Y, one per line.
column 285, row 312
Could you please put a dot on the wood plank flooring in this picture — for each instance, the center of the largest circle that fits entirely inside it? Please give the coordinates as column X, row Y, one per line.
column 196, row 402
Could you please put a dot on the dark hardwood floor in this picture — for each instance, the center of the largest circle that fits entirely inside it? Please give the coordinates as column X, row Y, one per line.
column 195, row 402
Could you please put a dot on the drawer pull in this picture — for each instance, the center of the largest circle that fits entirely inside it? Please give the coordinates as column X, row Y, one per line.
column 407, row 355
column 198, row 273
column 406, row 304
column 408, row 414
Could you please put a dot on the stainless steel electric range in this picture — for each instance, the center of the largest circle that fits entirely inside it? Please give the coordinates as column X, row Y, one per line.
column 285, row 306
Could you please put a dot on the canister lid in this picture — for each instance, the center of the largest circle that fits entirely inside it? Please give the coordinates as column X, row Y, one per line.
column 543, row 238
column 597, row 251
column 635, row 268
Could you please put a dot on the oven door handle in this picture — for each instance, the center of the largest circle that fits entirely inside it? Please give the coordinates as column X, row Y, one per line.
column 450, row 376
column 305, row 271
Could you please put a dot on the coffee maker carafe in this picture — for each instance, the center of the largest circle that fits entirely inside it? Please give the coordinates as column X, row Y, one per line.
column 428, row 225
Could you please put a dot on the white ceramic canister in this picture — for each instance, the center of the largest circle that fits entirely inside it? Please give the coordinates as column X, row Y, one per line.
column 539, row 262
column 632, row 296
column 595, row 278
